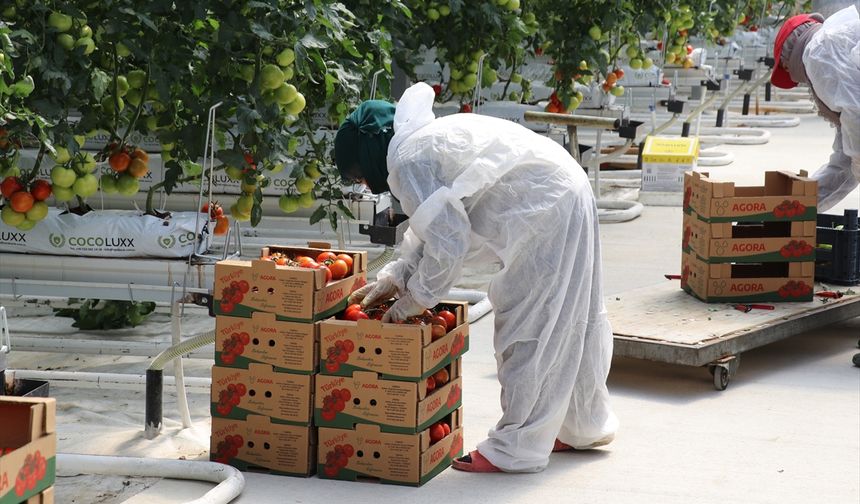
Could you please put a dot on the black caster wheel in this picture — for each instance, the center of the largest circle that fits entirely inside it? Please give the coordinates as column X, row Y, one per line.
column 856, row 359
column 721, row 376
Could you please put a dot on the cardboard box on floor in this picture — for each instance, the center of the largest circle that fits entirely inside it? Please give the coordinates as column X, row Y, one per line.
column 258, row 444
column 395, row 351
column 289, row 347
column 46, row 497
column 747, row 283
column 366, row 453
column 757, row 242
column 396, row 406
column 783, row 197
column 259, row 390
column 28, row 438
column 291, row 293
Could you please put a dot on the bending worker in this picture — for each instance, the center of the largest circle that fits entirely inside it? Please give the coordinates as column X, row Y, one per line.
column 479, row 190
column 825, row 55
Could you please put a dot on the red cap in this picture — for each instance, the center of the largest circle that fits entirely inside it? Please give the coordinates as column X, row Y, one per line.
column 780, row 78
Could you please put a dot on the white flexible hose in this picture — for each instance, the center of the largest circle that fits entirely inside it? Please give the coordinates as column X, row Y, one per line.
column 178, row 368
column 230, row 481
column 183, row 348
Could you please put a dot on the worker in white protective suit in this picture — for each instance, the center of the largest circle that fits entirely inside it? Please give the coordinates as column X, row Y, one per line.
column 479, row 189
column 825, row 54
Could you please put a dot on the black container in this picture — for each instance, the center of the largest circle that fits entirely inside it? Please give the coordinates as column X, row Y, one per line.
column 28, row 388
column 840, row 262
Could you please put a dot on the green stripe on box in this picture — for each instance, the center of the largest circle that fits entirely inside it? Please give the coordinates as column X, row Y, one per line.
column 443, row 464
column 443, row 412
column 242, row 414
column 757, row 258
column 247, row 466
column 343, row 474
column 809, row 214
column 244, row 363
column 755, row 298
column 50, row 475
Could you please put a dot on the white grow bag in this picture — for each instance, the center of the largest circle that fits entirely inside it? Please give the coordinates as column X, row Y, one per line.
column 110, row 233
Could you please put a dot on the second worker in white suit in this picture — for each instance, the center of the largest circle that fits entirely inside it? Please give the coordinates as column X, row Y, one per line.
column 479, row 189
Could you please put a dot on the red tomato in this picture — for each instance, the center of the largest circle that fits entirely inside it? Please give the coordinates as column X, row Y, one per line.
column 347, row 259
column 339, row 269
column 41, row 190
column 450, row 319
column 328, row 275
column 326, row 256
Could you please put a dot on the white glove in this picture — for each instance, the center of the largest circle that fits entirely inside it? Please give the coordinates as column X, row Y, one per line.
column 402, row 309
column 374, row 293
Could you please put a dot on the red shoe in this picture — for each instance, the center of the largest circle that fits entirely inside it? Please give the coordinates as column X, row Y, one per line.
column 560, row 447
column 474, row 462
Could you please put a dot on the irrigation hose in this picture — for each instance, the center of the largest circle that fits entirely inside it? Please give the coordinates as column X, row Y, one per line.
column 183, row 348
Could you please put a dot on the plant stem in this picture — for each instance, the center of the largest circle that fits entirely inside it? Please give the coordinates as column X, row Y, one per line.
column 115, row 89
column 139, row 105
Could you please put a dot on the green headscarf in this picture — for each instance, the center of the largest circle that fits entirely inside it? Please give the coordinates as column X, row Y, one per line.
column 361, row 144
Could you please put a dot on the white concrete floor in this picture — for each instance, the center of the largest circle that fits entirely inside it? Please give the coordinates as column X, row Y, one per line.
column 786, row 431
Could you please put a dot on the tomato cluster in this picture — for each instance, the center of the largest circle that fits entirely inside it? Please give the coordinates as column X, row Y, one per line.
column 438, row 431
column 26, row 205
column 789, row 209
column 437, row 380
column 453, row 396
column 337, row 459
column 228, row 448
column 458, row 344
column 338, row 354
column 796, row 248
column 334, row 403
column 456, row 446
column 233, row 295
column 216, row 213
column 610, row 84
column 441, row 321
column 794, row 289
column 31, row 473
column 234, row 347
column 229, row 397
column 337, row 266
column 688, row 232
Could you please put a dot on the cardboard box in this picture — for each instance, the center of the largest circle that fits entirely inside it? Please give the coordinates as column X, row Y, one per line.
column 749, row 242
column 45, row 497
column 783, row 197
column 258, row 444
column 747, row 283
column 28, row 447
column 396, row 406
column 289, row 347
column 366, row 453
column 664, row 161
column 395, row 351
column 259, row 390
column 291, row 293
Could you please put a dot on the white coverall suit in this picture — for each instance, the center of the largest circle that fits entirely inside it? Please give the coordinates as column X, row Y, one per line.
column 480, row 189
column 832, row 63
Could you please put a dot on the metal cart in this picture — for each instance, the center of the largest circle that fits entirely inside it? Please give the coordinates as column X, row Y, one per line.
column 665, row 324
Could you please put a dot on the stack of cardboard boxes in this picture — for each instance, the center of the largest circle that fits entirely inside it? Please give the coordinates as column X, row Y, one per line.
column 388, row 398
column 749, row 244
column 28, row 448
column 266, row 358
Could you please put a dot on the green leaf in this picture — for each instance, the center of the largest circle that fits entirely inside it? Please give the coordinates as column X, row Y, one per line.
column 311, row 41
column 332, row 219
column 100, row 81
column 256, row 214
column 318, row 214
column 343, row 208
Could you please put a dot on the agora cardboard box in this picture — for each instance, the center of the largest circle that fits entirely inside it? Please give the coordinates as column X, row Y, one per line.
column 749, row 242
column 259, row 390
column 395, row 351
column 366, row 453
column 396, row 406
column 291, row 293
column 258, row 444
column 45, row 497
column 289, row 347
column 783, row 197
column 28, row 447
column 747, row 283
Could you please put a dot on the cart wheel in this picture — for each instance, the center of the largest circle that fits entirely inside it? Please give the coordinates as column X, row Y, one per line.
column 721, row 377
column 856, row 359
